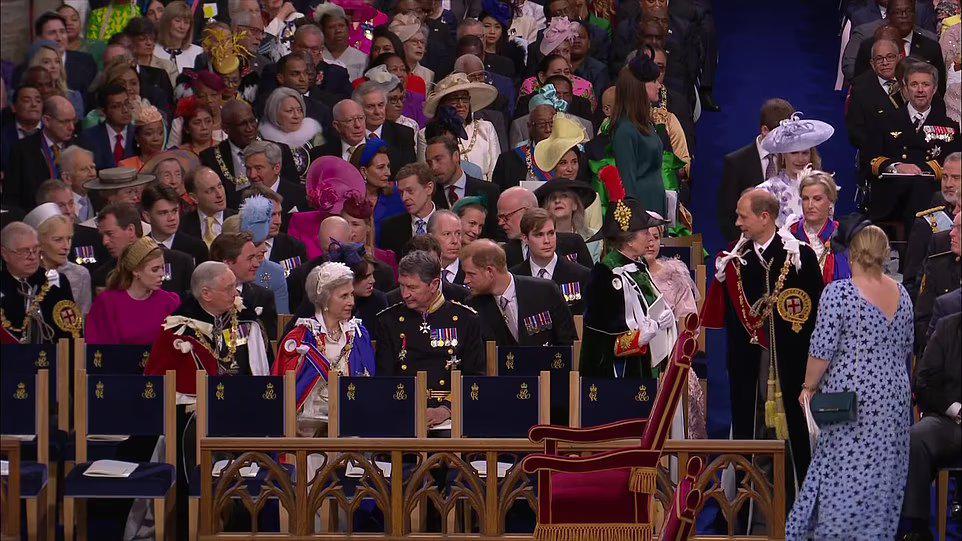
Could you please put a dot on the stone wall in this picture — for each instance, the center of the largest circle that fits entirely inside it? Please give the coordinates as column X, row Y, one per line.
column 15, row 33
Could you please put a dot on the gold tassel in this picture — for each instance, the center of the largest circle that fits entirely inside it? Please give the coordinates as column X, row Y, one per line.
column 594, row 532
column 770, row 407
column 781, row 423
column 643, row 480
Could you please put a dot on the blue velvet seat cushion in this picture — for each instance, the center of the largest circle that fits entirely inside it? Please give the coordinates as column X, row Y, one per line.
column 33, row 477
column 149, row 480
column 254, row 484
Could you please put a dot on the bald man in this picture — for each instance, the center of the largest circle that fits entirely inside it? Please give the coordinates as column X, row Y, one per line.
column 227, row 158
column 763, row 267
column 35, row 158
column 332, row 229
column 511, row 206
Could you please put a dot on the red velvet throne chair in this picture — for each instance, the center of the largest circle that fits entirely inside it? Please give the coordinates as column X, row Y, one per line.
column 608, row 496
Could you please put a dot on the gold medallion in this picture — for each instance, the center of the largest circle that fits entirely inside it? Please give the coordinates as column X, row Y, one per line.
column 794, row 305
column 66, row 314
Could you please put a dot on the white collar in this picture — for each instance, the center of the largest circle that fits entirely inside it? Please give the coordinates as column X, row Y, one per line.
column 913, row 112
column 168, row 242
column 299, row 137
column 376, row 132
column 345, row 145
column 218, row 216
column 112, row 135
column 434, row 207
column 21, row 129
column 761, row 247
column 549, row 267
column 462, row 183
column 453, row 268
column 276, row 185
column 762, row 153
column 509, row 292
column 317, row 322
column 49, row 141
column 882, row 82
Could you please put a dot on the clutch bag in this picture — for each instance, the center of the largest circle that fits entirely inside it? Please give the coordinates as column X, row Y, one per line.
column 834, row 408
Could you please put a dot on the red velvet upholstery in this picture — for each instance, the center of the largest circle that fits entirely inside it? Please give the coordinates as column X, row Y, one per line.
column 609, row 494
column 680, row 519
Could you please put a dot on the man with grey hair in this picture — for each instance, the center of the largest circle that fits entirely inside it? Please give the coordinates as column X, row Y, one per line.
column 445, row 227
column 428, row 332
column 935, row 219
column 36, row 308
column 511, row 206
column 197, row 335
column 372, row 98
column 905, row 164
column 349, row 125
column 873, row 94
column 331, row 78
column 263, row 160
column 77, row 167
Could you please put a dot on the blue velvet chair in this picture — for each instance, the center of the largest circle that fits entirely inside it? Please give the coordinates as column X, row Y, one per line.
column 498, row 406
column 599, row 401
column 241, row 407
column 115, row 358
column 122, row 404
column 24, row 413
column 55, row 358
column 381, row 407
column 531, row 361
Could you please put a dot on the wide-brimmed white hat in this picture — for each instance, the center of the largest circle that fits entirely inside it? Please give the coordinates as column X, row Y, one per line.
column 797, row 134
column 482, row 94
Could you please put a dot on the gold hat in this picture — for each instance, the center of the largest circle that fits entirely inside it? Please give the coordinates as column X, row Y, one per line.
column 566, row 133
column 225, row 48
column 482, row 94
column 136, row 253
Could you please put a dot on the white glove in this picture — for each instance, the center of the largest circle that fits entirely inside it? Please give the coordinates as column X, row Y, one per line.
column 648, row 329
column 666, row 320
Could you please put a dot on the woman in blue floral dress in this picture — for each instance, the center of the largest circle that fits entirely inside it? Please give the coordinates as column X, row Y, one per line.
column 862, row 342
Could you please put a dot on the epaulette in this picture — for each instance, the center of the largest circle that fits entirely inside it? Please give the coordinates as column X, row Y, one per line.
column 926, row 212
column 390, row 307
column 936, row 168
column 473, row 311
column 877, row 165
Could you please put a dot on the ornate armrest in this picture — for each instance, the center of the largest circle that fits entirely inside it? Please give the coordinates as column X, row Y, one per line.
column 609, row 460
column 618, row 430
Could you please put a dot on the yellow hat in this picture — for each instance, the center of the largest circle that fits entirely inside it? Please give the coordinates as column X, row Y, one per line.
column 566, row 133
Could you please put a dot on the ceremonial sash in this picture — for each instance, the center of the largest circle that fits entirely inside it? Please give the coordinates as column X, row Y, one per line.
column 313, row 366
column 535, row 170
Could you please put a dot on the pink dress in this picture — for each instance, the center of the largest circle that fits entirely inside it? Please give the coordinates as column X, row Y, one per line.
column 118, row 318
column 360, row 34
column 674, row 281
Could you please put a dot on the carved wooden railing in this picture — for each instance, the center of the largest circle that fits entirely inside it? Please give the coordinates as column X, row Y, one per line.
column 473, row 506
column 10, row 490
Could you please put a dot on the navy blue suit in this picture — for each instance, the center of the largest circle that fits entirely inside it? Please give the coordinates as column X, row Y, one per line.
column 866, row 11
column 96, row 140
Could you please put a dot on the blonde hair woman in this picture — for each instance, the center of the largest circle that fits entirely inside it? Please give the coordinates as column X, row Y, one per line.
column 46, row 54
column 134, row 287
column 174, row 35
column 816, row 225
column 55, row 232
column 862, row 343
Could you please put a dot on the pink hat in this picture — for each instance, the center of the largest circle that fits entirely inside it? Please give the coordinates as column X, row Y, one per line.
column 559, row 30
column 329, row 182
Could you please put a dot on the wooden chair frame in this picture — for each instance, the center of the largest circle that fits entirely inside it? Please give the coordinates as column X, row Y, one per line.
column 10, row 505
column 74, row 509
column 290, row 431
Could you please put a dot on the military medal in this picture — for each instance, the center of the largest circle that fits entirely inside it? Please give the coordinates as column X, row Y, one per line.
column 167, row 272
column 289, row 264
column 453, row 363
column 571, row 291
column 84, row 255
column 425, row 328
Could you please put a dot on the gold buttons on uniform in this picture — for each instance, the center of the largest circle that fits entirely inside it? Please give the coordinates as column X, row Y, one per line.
column 401, row 319
column 454, row 318
column 404, row 367
column 450, row 352
column 441, row 382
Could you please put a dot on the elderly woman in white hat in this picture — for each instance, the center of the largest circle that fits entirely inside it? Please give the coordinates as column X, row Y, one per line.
column 479, row 143
column 56, row 236
column 794, row 142
column 414, row 35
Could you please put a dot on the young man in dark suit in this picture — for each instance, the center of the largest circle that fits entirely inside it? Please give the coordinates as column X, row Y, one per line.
column 35, row 158
column 226, row 159
column 511, row 206
column 113, row 139
column 748, row 166
column 873, row 95
column 538, row 234
column 21, row 120
column 160, row 207
column 444, row 159
column 79, row 66
column 416, row 186
column 515, row 310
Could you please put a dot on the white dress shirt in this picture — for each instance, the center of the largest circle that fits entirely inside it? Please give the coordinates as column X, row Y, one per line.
column 168, row 242
column 760, row 248
column 268, row 245
column 549, row 268
column 112, row 137
column 348, row 149
column 414, row 221
column 763, row 156
column 460, row 187
column 218, row 223
column 23, row 132
column 508, row 303
column 914, row 113
column 449, row 272
column 374, row 133
column 237, row 158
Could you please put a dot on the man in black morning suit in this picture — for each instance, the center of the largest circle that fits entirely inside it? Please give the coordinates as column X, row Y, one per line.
column 263, row 160
column 444, row 159
column 515, row 310
column 538, row 233
column 33, row 159
column 873, row 96
column 415, row 182
column 748, row 166
column 226, row 158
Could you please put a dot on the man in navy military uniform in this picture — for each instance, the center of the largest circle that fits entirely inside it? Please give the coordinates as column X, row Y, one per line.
column 426, row 332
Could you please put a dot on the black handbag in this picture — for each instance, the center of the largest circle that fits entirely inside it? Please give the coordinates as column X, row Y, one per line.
column 834, row 408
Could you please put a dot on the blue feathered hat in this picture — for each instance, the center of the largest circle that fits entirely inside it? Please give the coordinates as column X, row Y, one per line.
column 255, row 217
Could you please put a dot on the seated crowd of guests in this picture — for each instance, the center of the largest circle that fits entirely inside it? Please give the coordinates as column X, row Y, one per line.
column 427, row 176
